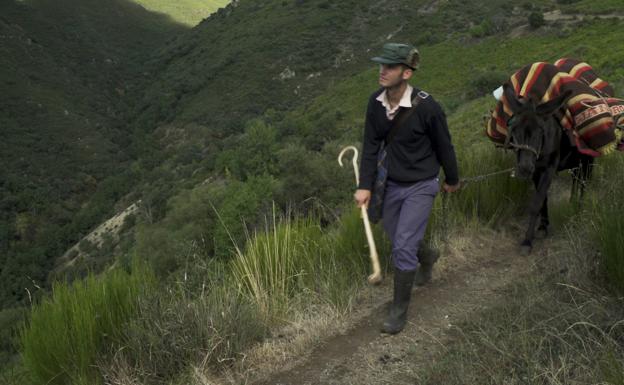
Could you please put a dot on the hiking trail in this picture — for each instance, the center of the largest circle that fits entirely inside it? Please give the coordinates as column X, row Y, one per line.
column 470, row 276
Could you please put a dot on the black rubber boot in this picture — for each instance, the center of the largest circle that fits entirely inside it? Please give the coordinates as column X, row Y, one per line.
column 403, row 281
column 427, row 257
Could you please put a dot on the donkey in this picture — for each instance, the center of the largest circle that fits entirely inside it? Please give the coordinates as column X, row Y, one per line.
column 542, row 149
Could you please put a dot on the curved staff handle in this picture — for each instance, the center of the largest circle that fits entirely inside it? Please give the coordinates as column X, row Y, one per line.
column 375, row 278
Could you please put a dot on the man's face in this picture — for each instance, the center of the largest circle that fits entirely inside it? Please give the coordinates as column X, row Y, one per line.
column 391, row 75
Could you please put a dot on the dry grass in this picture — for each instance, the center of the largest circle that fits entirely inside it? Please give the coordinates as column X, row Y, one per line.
column 557, row 326
column 287, row 345
column 312, row 323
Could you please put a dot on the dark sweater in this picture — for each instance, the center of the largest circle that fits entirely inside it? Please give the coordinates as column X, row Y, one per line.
column 419, row 147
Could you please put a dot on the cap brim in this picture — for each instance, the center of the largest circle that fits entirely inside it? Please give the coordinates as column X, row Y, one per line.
column 383, row 60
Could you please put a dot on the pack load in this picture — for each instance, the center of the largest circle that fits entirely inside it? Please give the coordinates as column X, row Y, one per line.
column 592, row 117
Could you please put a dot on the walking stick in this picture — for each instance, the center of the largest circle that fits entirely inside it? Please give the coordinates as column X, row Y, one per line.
column 375, row 278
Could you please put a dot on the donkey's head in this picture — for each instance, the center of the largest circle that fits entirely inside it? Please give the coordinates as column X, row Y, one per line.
column 533, row 131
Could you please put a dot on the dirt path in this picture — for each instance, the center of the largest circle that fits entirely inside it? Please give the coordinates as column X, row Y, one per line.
column 557, row 15
column 469, row 281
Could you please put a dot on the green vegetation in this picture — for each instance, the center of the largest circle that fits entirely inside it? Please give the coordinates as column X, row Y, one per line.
column 243, row 204
column 199, row 320
column 294, row 257
column 550, row 331
column 603, row 7
column 561, row 325
column 536, row 20
column 73, row 336
column 189, row 12
column 67, row 332
column 68, row 71
column 606, row 209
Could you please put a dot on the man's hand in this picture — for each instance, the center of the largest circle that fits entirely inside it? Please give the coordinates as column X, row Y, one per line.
column 362, row 197
column 450, row 188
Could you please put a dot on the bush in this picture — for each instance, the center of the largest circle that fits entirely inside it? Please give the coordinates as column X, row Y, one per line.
column 68, row 330
column 278, row 262
column 10, row 318
column 217, row 308
column 210, row 327
column 486, row 28
column 485, row 82
column 536, row 20
column 296, row 256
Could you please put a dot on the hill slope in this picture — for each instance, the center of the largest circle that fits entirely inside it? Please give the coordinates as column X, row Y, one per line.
column 189, row 12
column 209, row 125
column 68, row 70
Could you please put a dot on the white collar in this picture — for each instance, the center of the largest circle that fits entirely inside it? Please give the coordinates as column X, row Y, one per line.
column 406, row 99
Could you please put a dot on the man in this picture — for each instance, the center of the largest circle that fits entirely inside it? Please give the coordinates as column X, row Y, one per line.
column 421, row 144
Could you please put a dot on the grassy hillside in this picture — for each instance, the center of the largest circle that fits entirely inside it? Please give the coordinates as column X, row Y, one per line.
column 213, row 125
column 268, row 58
column 277, row 54
column 295, row 150
column 189, row 12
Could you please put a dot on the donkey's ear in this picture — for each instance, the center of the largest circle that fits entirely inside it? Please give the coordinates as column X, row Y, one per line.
column 553, row 105
column 510, row 96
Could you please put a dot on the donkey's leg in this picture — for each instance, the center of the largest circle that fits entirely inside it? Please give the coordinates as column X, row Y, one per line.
column 576, row 175
column 537, row 201
column 587, row 163
column 580, row 177
column 544, row 221
column 543, row 213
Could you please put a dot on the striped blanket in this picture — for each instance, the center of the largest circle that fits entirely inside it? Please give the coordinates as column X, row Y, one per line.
column 592, row 117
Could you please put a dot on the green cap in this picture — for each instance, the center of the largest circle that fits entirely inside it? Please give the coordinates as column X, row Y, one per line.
column 396, row 53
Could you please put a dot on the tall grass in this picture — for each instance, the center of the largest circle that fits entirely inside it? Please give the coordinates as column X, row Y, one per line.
column 544, row 333
column 484, row 201
column 180, row 327
column 608, row 217
column 219, row 308
column 69, row 330
column 554, row 326
column 295, row 256
column 496, row 196
column 278, row 261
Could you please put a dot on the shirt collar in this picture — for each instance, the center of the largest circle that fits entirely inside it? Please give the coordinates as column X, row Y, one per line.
column 406, row 99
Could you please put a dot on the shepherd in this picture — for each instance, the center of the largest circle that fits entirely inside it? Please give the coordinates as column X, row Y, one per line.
column 406, row 139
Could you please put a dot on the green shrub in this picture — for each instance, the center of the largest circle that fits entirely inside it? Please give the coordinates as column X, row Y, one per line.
column 536, row 20
column 10, row 318
column 277, row 262
column 485, row 28
column 483, row 83
column 294, row 257
column 494, row 197
column 79, row 321
column 209, row 326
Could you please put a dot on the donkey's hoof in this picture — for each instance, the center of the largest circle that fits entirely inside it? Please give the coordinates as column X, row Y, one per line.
column 525, row 248
column 542, row 231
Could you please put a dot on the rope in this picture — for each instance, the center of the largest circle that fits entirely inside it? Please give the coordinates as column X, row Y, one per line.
column 463, row 182
column 479, row 178
column 524, row 147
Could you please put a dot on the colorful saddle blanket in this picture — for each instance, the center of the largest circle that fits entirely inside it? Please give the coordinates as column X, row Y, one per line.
column 592, row 117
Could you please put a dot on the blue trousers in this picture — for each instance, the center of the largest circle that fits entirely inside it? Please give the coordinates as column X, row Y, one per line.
column 406, row 213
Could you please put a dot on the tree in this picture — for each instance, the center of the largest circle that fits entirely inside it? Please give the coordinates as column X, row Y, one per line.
column 536, row 20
